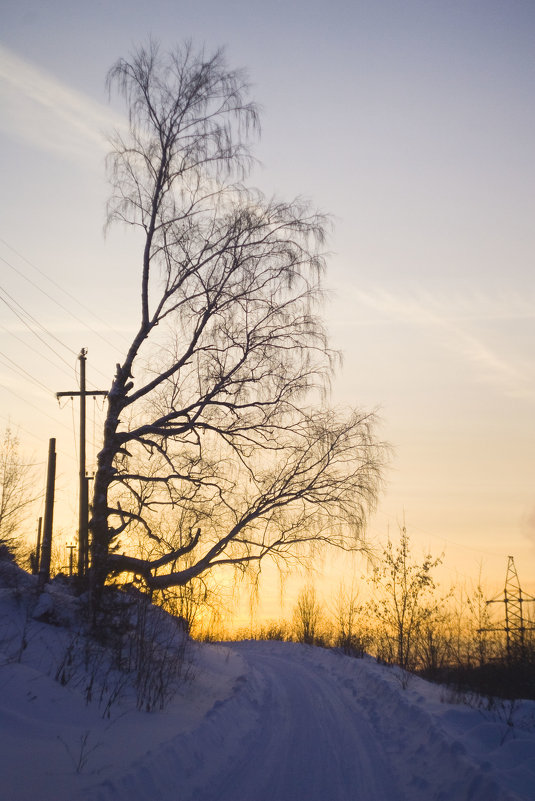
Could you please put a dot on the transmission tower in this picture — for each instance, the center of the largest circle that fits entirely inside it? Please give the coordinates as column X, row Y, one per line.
column 515, row 623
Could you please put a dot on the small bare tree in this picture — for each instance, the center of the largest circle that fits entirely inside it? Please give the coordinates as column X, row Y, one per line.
column 483, row 644
column 349, row 633
column 209, row 421
column 403, row 602
column 307, row 615
column 16, row 492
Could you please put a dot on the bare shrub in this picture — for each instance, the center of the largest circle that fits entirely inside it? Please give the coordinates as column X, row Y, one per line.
column 349, row 631
column 403, row 604
column 307, row 616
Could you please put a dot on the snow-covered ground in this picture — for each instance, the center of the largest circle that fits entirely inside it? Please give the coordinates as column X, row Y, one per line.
column 260, row 721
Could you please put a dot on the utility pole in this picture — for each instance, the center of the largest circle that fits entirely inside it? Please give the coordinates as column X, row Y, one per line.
column 46, row 547
column 83, row 505
column 36, row 557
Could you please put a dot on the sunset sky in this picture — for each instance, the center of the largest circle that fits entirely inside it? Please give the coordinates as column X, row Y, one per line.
column 413, row 125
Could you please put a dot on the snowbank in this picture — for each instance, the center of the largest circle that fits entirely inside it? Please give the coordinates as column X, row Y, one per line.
column 226, row 724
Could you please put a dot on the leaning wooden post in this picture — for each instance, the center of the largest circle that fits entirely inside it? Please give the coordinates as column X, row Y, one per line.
column 46, row 547
column 35, row 556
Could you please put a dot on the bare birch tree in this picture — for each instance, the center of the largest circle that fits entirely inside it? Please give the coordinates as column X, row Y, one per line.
column 214, row 453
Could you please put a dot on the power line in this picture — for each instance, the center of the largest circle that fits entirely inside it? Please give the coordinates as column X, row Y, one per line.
column 42, row 327
column 62, row 289
column 41, row 355
column 54, row 300
column 24, row 311
column 21, row 371
column 25, row 400
column 34, row 320
column 445, row 542
column 38, row 438
column 423, row 532
column 92, row 441
column 19, row 427
column 25, row 323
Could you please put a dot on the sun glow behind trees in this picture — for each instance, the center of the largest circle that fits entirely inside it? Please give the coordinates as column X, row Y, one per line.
column 422, row 154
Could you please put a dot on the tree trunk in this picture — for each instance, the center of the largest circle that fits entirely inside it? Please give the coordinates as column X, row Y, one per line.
column 103, row 478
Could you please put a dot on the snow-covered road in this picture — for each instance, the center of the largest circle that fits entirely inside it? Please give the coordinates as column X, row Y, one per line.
column 262, row 721
column 305, row 724
column 311, row 741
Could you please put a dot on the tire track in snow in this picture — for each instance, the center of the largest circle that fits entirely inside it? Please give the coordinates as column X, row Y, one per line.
column 311, row 743
column 304, row 724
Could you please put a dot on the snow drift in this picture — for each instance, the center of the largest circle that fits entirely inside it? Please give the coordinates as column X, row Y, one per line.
column 262, row 720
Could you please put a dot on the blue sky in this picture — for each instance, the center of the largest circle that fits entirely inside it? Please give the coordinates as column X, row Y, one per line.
column 413, row 125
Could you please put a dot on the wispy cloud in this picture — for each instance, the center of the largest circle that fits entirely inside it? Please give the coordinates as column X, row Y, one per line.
column 460, row 321
column 419, row 305
column 47, row 114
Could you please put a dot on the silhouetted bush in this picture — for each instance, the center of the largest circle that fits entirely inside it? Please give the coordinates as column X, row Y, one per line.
column 494, row 679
